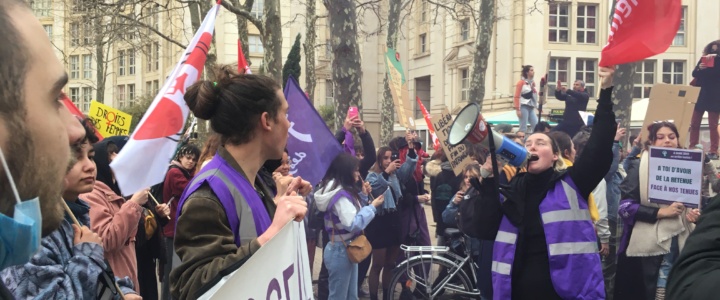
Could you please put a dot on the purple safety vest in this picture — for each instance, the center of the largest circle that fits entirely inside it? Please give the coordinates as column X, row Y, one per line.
column 245, row 211
column 332, row 220
column 575, row 268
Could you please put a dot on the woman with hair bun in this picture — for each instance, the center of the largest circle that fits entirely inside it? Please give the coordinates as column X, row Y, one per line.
column 227, row 213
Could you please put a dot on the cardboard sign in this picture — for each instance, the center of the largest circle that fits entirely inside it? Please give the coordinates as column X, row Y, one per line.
column 671, row 102
column 279, row 270
column 399, row 89
column 109, row 121
column 457, row 155
column 675, row 175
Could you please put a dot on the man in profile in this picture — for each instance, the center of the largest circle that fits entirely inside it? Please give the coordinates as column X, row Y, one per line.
column 36, row 130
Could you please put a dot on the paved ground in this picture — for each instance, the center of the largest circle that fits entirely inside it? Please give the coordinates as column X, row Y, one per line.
column 318, row 252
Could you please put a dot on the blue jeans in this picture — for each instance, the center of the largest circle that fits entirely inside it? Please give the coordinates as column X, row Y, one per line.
column 343, row 281
column 527, row 114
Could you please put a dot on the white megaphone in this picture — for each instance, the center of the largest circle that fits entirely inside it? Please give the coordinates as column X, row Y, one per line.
column 469, row 125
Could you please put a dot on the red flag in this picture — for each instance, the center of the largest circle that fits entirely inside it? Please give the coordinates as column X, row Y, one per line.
column 144, row 160
column 243, row 67
column 428, row 120
column 76, row 112
column 640, row 29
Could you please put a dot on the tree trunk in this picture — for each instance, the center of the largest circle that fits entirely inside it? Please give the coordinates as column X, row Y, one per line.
column 309, row 49
column 482, row 51
column 242, row 25
column 347, row 74
column 101, row 63
column 272, row 40
column 623, row 92
column 387, row 114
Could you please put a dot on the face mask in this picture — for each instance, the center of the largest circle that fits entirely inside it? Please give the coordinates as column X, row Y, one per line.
column 20, row 235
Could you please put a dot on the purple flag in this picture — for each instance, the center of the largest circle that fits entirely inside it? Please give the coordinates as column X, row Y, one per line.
column 311, row 145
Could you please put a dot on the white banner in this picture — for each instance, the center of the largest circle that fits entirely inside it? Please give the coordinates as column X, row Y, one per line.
column 279, row 270
column 675, row 176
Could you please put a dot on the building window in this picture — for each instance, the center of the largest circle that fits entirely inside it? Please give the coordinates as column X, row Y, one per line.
column 41, row 8
column 79, row 6
column 75, row 96
column 422, row 40
column 257, row 8
column 74, row 67
column 255, row 43
column 673, row 72
column 329, row 93
column 156, row 87
column 155, row 17
column 148, row 88
column 156, row 56
column 87, row 66
column 87, row 33
column 559, row 23
column 586, row 24
column 131, row 94
column 86, row 98
column 148, row 58
column 48, row 29
column 423, row 10
column 464, row 85
column 559, row 69
column 464, row 30
column 644, row 79
column 679, row 39
column 74, row 34
column 585, row 70
column 121, row 63
column 131, row 61
column 328, row 48
column 120, row 96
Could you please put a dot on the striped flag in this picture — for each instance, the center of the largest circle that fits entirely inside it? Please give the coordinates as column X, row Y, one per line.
column 428, row 120
column 144, row 160
column 243, row 67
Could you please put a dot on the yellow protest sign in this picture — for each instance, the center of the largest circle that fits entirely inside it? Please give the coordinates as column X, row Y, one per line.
column 109, row 121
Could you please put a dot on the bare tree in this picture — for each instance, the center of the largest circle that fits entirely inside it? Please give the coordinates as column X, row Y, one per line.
column 347, row 73
column 623, row 90
column 485, row 30
column 270, row 33
column 387, row 115
column 309, row 49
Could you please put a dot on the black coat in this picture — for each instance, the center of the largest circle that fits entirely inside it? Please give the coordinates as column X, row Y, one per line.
column 708, row 80
column 696, row 272
column 574, row 103
column 444, row 184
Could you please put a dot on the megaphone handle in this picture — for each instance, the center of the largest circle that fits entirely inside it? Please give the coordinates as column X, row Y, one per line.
column 493, row 156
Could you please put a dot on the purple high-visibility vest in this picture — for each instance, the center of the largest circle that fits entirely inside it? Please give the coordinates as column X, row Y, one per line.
column 246, row 213
column 575, row 268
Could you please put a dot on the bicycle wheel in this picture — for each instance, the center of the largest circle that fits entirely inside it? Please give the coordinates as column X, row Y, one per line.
column 422, row 276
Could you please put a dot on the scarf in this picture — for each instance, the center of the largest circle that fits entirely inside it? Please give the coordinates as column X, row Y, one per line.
column 653, row 239
column 592, row 207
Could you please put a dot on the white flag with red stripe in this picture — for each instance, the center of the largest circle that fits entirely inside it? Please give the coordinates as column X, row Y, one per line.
column 145, row 158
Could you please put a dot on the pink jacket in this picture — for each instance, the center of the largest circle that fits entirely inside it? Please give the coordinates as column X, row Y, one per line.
column 116, row 222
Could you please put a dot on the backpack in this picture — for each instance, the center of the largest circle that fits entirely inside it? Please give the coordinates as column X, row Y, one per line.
column 157, row 190
column 466, row 212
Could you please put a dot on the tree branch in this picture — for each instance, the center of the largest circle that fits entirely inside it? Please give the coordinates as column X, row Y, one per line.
column 160, row 34
column 245, row 14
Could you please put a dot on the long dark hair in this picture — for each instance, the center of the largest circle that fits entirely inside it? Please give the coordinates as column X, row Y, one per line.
column 234, row 103
column 378, row 167
column 342, row 172
column 655, row 127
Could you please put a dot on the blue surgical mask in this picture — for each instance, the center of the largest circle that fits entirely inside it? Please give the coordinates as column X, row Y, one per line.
column 20, row 235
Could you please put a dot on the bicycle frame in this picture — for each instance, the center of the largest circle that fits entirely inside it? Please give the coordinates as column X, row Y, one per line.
column 430, row 253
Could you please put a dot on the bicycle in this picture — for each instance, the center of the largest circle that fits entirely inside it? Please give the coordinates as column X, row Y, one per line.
column 452, row 280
